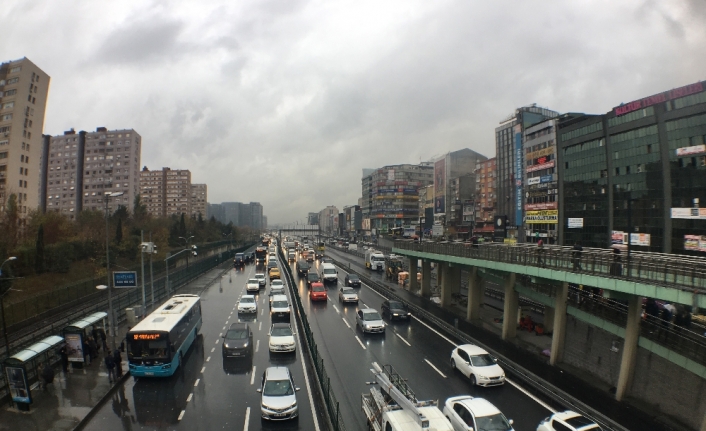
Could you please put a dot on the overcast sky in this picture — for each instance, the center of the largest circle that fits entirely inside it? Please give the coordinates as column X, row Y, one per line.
column 285, row 102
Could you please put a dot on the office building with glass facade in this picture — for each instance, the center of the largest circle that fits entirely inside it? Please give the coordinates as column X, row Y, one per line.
column 639, row 169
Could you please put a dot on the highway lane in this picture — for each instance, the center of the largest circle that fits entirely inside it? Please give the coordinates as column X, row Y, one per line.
column 210, row 393
column 417, row 352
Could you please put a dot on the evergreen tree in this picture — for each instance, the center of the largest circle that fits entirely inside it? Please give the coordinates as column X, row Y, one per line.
column 39, row 254
column 139, row 211
column 182, row 226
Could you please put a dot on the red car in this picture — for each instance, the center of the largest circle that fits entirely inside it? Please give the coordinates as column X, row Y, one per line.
column 318, row 292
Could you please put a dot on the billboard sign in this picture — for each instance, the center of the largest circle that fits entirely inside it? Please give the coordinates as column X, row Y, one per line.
column 658, row 98
column 18, row 384
column 440, row 186
column 695, row 242
column 519, row 163
column 437, row 230
column 533, row 181
column 500, row 231
column 687, row 151
column 540, row 217
column 542, row 206
column 539, row 167
column 689, row 213
column 124, row 279
column 575, row 223
column 439, row 205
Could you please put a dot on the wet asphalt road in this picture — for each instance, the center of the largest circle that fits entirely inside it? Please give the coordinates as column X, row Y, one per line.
column 419, row 354
column 210, row 393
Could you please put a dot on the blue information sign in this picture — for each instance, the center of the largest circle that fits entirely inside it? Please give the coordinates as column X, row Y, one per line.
column 124, row 279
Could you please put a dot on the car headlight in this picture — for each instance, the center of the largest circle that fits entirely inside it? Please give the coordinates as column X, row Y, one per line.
column 367, row 326
column 395, row 314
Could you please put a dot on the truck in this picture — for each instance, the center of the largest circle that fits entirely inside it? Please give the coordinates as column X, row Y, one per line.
column 394, row 265
column 260, row 255
column 374, row 260
column 393, row 406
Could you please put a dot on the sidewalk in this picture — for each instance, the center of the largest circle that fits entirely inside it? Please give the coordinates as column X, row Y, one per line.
column 72, row 396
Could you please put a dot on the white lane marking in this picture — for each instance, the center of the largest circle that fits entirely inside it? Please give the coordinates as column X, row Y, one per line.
column 227, row 322
column 221, row 334
column 435, row 331
column 403, row 340
column 203, row 369
column 224, row 328
column 437, row 370
column 262, row 310
column 259, row 327
column 208, row 359
column 540, row 402
column 213, row 349
column 191, row 395
column 196, row 383
column 252, row 377
column 361, row 343
column 257, row 346
column 336, row 308
column 247, row 419
column 181, row 415
column 217, row 341
column 346, row 322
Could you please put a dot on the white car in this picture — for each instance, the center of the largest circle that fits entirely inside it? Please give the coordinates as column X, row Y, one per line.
column 467, row 414
column 282, row 338
column 346, row 294
column 253, row 285
column 369, row 320
column 478, row 365
column 279, row 307
column 262, row 279
column 568, row 421
column 279, row 395
column 276, row 283
column 247, row 304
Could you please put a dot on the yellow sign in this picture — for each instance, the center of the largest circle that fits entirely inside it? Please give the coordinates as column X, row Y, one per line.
column 510, row 241
column 542, row 217
column 540, row 153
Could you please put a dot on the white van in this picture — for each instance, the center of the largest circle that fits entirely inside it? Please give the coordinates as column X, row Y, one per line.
column 329, row 273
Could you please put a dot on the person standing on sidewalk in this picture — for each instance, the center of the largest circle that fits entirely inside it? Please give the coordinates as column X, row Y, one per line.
column 93, row 348
column 576, row 255
column 110, row 365
column 103, row 339
column 118, row 360
column 64, row 358
column 47, row 375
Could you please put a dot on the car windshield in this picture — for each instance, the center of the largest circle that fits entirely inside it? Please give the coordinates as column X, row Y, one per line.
column 495, row 422
column 259, row 275
column 237, row 334
column 371, row 316
column 581, row 422
column 280, row 304
column 278, row 388
column 285, row 331
column 247, row 300
column 318, row 289
column 484, row 360
column 253, row 280
column 348, row 292
column 329, row 271
column 313, row 276
column 397, row 306
column 277, row 283
column 378, row 259
column 353, row 277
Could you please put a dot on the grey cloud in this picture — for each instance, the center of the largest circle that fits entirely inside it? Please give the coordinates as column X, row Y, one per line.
column 142, row 41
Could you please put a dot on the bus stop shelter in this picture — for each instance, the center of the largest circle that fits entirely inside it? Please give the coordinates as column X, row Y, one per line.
column 21, row 369
column 76, row 335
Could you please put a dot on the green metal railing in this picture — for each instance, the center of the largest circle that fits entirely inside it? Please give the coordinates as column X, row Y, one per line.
column 332, row 405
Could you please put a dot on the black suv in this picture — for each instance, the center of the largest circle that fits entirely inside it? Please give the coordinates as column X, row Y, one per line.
column 239, row 260
column 302, row 267
column 312, row 277
column 352, row 280
column 395, row 310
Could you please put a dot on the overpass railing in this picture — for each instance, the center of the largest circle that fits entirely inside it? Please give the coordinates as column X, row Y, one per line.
column 675, row 271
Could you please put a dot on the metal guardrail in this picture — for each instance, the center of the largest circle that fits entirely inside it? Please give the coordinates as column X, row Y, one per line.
column 330, row 401
column 510, row 367
column 675, row 271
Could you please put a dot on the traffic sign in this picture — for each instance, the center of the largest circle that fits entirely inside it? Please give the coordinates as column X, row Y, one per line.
column 124, row 279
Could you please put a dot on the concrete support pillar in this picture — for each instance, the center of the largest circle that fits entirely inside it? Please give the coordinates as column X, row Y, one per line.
column 446, row 279
column 426, row 278
column 549, row 319
column 632, row 334
column 475, row 294
column 413, row 284
column 559, row 325
column 510, row 310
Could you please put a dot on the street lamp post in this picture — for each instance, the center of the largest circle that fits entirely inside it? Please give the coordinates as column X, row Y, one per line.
column 166, row 261
column 2, row 308
column 186, row 246
column 111, row 318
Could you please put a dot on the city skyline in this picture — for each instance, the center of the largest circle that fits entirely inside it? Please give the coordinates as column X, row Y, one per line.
column 289, row 87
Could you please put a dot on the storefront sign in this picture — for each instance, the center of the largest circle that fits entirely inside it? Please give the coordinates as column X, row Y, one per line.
column 695, row 242
column 547, row 165
column 533, row 181
column 575, row 223
column 540, row 153
column 687, row 151
column 542, row 206
column 689, row 213
column 637, row 239
column 658, row 98
column 537, row 217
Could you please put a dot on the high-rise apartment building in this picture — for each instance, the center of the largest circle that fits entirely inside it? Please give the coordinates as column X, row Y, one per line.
column 78, row 169
column 391, row 195
column 243, row 215
column 217, row 211
column 199, row 200
column 485, row 199
column 328, row 220
column 637, row 172
column 24, row 88
column 510, row 161
column 166, row 192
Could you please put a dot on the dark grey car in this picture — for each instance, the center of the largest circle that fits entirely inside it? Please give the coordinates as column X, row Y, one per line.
column 237, row 342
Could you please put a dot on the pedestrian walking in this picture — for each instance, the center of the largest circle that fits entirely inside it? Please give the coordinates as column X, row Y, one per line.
column 118, row 359
column 540, row 253
column 47, row 376
column 110, row 365
column 93, row 347
column 616, row 267
column 64, row 358
column 103, row 338
column 576, row 255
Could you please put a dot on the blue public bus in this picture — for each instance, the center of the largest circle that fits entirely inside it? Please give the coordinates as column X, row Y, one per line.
column 156, row 346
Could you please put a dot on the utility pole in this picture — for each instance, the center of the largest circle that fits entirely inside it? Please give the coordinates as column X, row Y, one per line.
column 151, row 273
column 142, row 258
